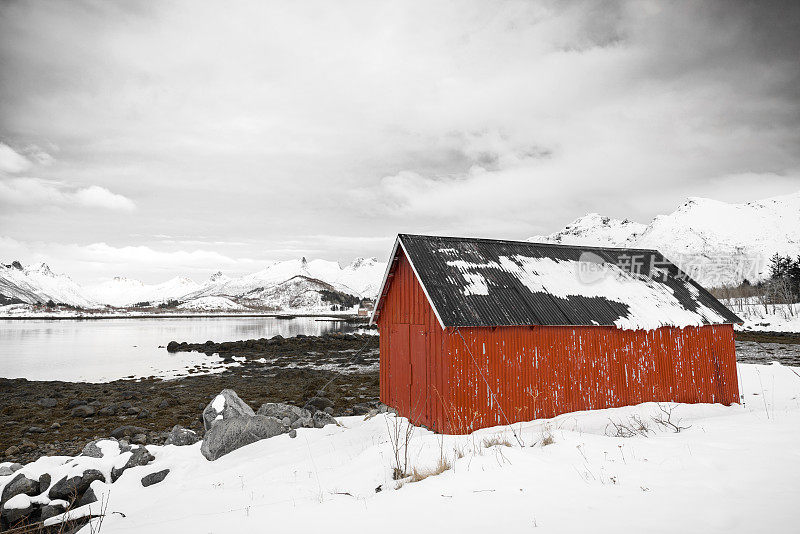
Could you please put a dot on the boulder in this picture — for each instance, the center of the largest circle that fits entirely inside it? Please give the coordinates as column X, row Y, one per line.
column 321, row 419
column 88, row 497
column 51, row 510
column 17, row 509
column 181, row 436
column 298, row 417
column 107, row 411
column 318, row 403
column 70, row 489
column 93, row 450
column 44, row 482
column 127, row 431
column 225, row 406
column 139, row 439
column 19, row 485
column 140, row 456
column 361, row 409
column 154, row 478
column 84, row 410
column 47, row 403
column 232, row 433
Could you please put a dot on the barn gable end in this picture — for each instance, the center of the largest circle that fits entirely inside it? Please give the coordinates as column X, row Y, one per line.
column 411, row 347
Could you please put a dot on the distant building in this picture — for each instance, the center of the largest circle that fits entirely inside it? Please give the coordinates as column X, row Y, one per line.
column 477, row 332
column 365, row 307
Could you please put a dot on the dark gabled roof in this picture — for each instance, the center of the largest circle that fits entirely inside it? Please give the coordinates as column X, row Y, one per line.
column 486, row 282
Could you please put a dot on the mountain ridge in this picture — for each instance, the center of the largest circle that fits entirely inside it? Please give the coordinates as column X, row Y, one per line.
column 715, row 242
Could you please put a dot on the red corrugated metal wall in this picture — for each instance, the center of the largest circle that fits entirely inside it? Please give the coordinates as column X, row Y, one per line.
column 459, row 380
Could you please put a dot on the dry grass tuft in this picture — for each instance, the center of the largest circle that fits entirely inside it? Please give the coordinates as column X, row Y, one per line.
column 499, row 439
column 547, row 436
column 421, row 474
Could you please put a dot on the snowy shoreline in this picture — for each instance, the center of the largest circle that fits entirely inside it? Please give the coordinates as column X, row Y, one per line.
column 727, row 469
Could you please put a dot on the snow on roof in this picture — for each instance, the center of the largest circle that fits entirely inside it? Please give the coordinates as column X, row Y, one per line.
column 482, row 282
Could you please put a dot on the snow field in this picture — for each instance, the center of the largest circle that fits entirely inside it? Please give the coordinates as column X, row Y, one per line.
column 735, row 470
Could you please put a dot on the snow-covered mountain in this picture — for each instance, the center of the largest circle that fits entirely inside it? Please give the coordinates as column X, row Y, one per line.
column 282, row 285
column 126, row 292
column 289, row 284
column 715, row 242
column 594, row 229
column 37, row 284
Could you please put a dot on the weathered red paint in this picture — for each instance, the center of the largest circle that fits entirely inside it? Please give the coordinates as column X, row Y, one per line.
column 457, row 380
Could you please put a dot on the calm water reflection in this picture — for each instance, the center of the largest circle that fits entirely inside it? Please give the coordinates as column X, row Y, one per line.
column 108, row 349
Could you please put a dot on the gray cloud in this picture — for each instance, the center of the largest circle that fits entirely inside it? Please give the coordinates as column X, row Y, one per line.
column 266, row 123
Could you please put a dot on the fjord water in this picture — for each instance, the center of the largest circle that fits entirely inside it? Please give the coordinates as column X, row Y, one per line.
column 101, row 350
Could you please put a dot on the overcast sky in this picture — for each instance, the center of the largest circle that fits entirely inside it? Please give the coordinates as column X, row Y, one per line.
column 160, row 138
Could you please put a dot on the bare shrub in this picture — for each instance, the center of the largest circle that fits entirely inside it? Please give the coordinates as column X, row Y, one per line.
column 400, row 433
column 635, row 426
column 664, row 418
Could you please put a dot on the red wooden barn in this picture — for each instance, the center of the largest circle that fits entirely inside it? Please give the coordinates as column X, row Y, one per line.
column 477, row 332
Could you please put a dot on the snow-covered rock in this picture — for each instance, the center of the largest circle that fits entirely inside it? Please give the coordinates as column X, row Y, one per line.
column 715, row 242
column 225, row 406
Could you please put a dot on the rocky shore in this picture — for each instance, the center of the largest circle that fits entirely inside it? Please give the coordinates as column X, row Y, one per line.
column 42, row 418
column 45, row 418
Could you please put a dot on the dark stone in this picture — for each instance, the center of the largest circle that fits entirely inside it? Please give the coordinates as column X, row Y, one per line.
column 360, row 409
column 44, row 482
column 181, row 436
column 69, row 489
column 75, row 402
column 154, row 478
column 140, row 456
column 321, row 419
column 19, row 484
column 318, row 403
column 144, row 414
column 127, row 431
column 230, row 434
column 47, row 403
column 15, row 516
column 107, row 411
column 298, row 417
column 88, row 497
column 51, row 510
column 84, row 410
column 172, row 346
